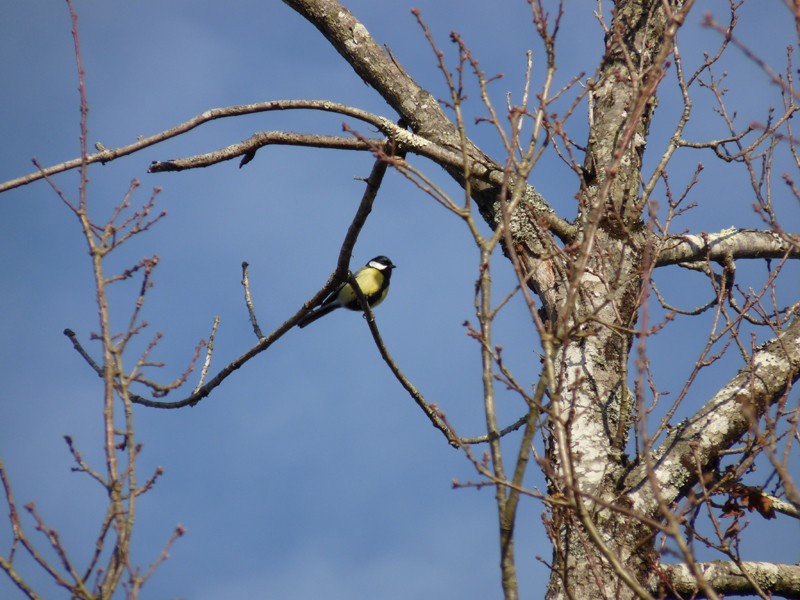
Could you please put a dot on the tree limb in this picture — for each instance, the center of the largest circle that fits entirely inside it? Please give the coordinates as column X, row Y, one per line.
column 248, row 148
column 733, row 243
column 106, row 155
column 726, row 578
column 421, row 112
column 381, row 71
column 773, row 369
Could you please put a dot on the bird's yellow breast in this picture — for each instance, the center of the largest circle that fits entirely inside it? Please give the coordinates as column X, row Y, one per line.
column 371, row 282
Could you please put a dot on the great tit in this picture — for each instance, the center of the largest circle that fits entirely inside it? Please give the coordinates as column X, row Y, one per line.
column 372, row 278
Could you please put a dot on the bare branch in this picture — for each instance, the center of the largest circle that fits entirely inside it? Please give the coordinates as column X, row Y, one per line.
column 421, row 112
column 336, row 278
column 727, row 578
column 430, row 410
column 248, row 149
column 107, row 155
column 140, row 580
column 209, row 352
column 729, row 243
column 73, row 337
column 719, row 424
column 249, row 301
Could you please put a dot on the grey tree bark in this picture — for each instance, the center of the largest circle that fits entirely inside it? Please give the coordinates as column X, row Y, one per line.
column 603, row 531
column 589, row 275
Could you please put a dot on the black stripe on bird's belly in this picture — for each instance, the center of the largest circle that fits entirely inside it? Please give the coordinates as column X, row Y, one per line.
column 374, row 285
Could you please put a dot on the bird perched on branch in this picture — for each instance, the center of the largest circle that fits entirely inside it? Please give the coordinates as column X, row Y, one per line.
column 373, row 280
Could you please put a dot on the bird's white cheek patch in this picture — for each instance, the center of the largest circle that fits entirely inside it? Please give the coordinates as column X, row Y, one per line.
column 377, row 265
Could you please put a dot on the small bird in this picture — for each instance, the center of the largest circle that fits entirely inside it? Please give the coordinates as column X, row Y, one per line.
column 372, row 278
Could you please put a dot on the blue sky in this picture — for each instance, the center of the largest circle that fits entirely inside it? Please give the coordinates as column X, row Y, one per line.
column 310, row 473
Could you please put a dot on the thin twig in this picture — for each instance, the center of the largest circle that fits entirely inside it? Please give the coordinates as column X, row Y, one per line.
column 209, row 352
column 249, row 301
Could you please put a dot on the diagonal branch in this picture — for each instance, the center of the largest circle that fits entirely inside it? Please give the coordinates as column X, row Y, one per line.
column 421, row 112
column 339, row 275
column 378, row 68
column 721, row 422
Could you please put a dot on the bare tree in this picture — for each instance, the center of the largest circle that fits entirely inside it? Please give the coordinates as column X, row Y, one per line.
column 626, row 480
column 111, row 566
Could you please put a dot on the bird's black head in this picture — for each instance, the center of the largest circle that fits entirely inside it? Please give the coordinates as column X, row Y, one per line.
column 381, row 263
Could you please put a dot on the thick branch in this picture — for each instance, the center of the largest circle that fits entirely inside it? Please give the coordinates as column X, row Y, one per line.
column 420, row 110
column 435, row 136
column 375, row 66
column 773, row 369
column 726, row 578
column 733, row 243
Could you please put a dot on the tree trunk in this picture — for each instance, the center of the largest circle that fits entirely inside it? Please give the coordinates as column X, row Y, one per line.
column 593, row 300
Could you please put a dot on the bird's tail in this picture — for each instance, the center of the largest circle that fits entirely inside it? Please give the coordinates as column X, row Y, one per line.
column 316, row 314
